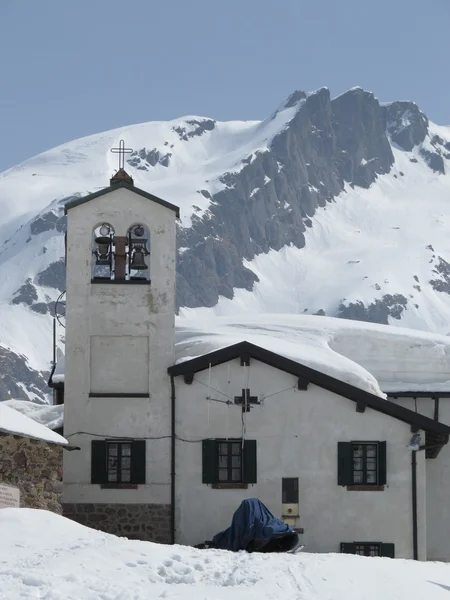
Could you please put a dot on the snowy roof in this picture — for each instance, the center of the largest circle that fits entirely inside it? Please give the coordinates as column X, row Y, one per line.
column 375, row 358
column 307, row 375
column 58, row 373
column 369, row 356
column 16, row 423
column 50, row 415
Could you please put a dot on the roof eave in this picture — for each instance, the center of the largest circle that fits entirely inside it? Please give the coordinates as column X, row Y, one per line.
column 332, row 384
column 76, row 202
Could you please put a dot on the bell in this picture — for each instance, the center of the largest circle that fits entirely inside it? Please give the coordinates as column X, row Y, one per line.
column 138, row 262
column 103, row 247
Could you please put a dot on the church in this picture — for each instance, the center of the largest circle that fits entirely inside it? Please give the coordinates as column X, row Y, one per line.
column 169, row 449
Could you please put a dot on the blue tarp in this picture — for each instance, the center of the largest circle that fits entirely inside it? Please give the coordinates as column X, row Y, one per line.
column 253, row 525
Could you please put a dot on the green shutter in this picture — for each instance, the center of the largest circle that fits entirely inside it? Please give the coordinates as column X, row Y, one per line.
column 345, row 463
column 138, row 461
column 381, row 463
column 347, row 548
column 388, row 550
column 209, row 461
column 249, row 461
column 98, row 461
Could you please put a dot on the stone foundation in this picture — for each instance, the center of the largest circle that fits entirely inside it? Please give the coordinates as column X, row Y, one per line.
column 148, row 522
column 35, row 467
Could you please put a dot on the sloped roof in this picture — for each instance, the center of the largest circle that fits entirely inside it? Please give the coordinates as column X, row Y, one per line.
column 307, row 375
column 16, row 423
column 117, row 186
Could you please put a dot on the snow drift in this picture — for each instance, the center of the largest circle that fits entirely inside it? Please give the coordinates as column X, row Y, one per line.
column 376, row 358
column 43, row 555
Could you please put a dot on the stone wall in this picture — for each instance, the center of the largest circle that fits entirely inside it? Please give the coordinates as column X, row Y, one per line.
column 149, row 522
column 35, row 467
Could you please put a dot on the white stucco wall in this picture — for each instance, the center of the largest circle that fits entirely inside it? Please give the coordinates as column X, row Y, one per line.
column 97, row 316
column 438, row 482
column 297, row 433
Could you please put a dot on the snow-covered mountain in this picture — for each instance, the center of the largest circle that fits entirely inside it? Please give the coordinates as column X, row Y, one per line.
column 337, row 207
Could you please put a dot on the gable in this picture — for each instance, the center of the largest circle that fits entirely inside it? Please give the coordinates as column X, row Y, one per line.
column 78, row 201
column 245, row 351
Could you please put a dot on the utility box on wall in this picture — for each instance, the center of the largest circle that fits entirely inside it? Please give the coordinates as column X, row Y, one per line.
column 290, row 510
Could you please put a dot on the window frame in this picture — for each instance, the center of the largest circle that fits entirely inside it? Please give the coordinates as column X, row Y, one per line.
column 100, row 463
column 364, row 469
column 120, row 444
column 384, row 549
column 345, row 466
column 210, row 463
column 366, row 547
column 229, row 463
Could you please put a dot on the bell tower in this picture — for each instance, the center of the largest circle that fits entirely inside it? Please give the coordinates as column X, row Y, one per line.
column 120, row 314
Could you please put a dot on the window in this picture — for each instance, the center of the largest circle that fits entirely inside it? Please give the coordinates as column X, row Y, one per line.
column 362, row 464
column 365, row 464
column 103, row 252
column 229, row 461
column 369, row 549
column 118, row 463
column 138, row 240
column 120, row 257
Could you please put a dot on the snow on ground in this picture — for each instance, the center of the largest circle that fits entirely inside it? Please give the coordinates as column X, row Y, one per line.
column 52, row 416
column 367, row 355
column 14, row 422
column 43, row 555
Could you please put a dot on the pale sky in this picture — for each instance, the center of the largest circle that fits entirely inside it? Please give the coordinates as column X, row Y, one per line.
column 71, row 68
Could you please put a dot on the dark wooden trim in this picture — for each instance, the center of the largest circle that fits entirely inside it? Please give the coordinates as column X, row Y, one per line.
column 327, row 382
column 106, row 281
column 245, row 360
column 302, row 383
column 116, row 395
column 395, row 395
column 361, row 407
column 229, row 486
column 365, row 488
column 414, row 428
column 433, row 444
column 119, row 486
column 118, row 186
column 414, row 505
column 188, row 378
column 436, row 408
column 172, row 460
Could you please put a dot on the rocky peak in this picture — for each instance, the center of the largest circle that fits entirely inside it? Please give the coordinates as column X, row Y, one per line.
column 406, row 124
column 269, row 202
column 363, row 150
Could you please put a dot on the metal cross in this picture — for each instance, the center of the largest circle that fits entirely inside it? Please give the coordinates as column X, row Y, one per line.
column 121, row 151
column 246, row 400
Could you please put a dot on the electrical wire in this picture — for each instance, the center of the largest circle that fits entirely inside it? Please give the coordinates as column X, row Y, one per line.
column 214, row 389
column 122, row 437
column 264, row 397
column 208, row 398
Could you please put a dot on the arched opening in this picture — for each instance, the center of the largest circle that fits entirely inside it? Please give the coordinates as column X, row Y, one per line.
column 138, row 252
column 103, row 262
